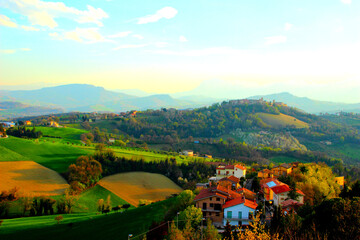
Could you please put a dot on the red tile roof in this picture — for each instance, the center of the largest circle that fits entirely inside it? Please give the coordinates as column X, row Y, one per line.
column 281, row 189
column 240, row 200
column 233, row 179
column 209, row 192
column 245, row 190
column 229, row 167
column 240, row 167
column 300, row 192
column 291, row 202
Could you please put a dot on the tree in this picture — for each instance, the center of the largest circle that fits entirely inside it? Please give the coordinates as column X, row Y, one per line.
column 86, row 170
column 210, row 232
column 59, row 218
column 192, row 214
column 175, row 233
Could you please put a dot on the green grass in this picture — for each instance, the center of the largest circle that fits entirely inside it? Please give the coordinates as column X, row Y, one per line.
column 67, row 134
column 348, row 149
column 281, row 120
column 86, row 226
column 54, row 155
column 87, row 201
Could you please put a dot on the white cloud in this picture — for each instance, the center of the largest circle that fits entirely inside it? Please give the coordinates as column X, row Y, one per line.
column 7, row 51
column 44, row 13
column 275, row 40
column 183, row 39
column 346, row 1
column 54, row 34
column 30, row 28
column 130, row 46
column 85, row 35
column 5, row 21
column 166, row 12
column 288, row 26
column 120, row 34
column 138, row 36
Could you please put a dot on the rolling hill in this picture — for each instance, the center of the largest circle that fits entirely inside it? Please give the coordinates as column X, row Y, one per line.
column 16, row 109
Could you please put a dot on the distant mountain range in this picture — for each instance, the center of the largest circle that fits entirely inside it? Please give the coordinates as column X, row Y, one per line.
column 87, row 98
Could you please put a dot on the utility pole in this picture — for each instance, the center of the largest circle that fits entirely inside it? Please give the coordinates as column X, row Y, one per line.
column 177, row 220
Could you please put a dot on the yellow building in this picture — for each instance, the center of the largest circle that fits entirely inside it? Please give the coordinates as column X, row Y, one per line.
column 282, row 170
column 266, row 173
column 340, row 181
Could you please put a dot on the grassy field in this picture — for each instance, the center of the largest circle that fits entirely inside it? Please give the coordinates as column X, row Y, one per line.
column 87, row 201
column 281, row 120
column 86, row 226
column 67, row 134
column 54, row 155
column 31, row 178
column 135, row 186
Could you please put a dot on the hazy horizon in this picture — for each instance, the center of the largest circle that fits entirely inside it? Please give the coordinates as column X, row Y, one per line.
column 306, row 48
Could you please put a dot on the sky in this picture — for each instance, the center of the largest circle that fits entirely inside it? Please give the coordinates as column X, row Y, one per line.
column 174, row 46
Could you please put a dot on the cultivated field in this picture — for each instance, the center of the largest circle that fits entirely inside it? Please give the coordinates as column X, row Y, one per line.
column 31, row 179
column 281, row 120
column 135, row 186
column 65, row 133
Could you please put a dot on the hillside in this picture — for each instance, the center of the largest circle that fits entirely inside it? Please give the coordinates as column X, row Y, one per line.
column 282, row 120
column 16, row 109
column 309, row 105
column 136, row 186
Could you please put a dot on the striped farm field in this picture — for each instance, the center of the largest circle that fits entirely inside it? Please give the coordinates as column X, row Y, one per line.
column 281, row 120
column 136, row 186
column 31, row 179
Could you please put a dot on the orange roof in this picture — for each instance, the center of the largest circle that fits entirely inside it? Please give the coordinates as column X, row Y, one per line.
column 208, row 192
column 240, row 166
column 266, row 170
column 281, row 189
column 245, row 190
column 300, row 192
column 240, row 200
column 233, row 179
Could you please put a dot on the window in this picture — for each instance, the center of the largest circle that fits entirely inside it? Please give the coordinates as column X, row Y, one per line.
column 211, row 205
column 219, row 172
column 227, row 172
column 209, row 213
column 217, row 207
column 211, row 199
column 217, row 199
column 251, row 215
column 204, row 206
column 229, row 214
column 217, row 214
column 240, row 215
column 233, row 172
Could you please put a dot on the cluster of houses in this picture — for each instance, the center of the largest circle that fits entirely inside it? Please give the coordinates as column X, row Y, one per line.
column 224, row 200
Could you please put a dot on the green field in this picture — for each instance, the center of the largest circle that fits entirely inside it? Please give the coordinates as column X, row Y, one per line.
column 87, row 201
column 67, row 134
column 86, row 226
column 54, row 155
column 281, row 120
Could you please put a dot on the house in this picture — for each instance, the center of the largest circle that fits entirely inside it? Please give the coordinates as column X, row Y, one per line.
column 201, row 186
column 207, row 156
column 281, row 194
column 189, row 153
column 111, row 140
column 282, row 170
column 2, row 135
column 266, row 173
column 290, row 205
column 211, row 200
column 266, row 187
column 239, row 211
column 7, row 124
column 231, row 181
column 54, row 124
column 28, row 123
column 235, row 170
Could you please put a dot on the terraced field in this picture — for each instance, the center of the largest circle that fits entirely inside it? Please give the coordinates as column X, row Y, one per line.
column 281, row 120
column 135, row 186
column 31, row 178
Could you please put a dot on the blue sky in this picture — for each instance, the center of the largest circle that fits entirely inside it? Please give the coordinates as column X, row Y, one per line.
column 172, row 46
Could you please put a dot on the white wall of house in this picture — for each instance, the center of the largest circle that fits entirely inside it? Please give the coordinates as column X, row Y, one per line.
column 239, row 172
column 281, row 197
column 238, row 213
column 221, row 173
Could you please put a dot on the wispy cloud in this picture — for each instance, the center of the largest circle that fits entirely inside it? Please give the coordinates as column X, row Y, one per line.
column 346, row 1
column 288, row 26
column 166, row 12
column 138, row 36
column 275, row 40
column 120, row 34
column 44, row 13
column 125, row 46
column 85, row 35
column 11, row 51
column 30, row 28
column 5, row 21
column 183, row 39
